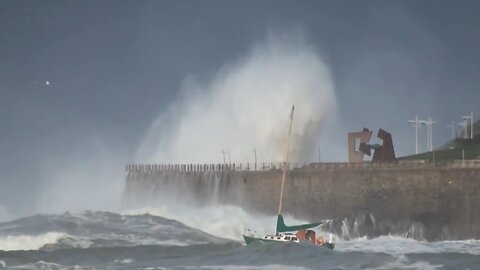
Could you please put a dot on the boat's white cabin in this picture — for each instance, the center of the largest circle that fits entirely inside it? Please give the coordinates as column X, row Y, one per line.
column 282, row 237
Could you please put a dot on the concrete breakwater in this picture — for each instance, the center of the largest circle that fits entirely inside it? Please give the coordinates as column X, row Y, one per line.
column 419, row 200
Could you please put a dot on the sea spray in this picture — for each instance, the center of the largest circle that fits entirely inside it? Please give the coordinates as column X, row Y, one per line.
column 244, row 106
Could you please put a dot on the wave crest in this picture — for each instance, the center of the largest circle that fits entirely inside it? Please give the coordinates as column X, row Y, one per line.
column 29, row 242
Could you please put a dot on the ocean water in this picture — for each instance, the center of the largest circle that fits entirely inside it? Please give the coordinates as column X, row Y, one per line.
column 148, row 240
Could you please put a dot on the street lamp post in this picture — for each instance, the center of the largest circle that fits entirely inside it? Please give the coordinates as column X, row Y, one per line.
column 223, row 152
column 464, row 124
column 466, row 118
column 429, row 124
column 416, row 124
column 255, row 152
column 471, row 127
column 471, row 124
column 425, row 122
column 452, row 126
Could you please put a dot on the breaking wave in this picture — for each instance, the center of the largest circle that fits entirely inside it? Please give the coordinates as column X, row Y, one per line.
column 29, row 242
column 140, row 239
column 226, row 221
column 97, row 229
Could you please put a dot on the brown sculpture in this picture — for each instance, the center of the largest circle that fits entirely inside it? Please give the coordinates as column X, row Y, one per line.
column 354, row 138
column 382, row 153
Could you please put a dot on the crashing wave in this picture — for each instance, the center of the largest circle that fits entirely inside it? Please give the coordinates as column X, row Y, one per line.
column 97, row 229
column 29, row 242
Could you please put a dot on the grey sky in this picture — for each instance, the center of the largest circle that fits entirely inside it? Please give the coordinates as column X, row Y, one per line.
column 113, row 66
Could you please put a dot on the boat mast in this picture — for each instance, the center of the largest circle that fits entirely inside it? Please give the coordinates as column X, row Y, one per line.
column 285, row 163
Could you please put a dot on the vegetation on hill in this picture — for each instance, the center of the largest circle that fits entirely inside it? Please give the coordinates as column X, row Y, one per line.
column 467, row 151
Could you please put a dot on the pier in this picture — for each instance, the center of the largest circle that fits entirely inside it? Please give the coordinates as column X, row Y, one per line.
column 421, row 199
column 224, row 167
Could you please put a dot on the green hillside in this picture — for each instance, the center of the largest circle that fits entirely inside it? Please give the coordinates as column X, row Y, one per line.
column 472, row 151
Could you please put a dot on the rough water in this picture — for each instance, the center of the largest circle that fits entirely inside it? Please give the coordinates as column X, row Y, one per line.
column 136, row 240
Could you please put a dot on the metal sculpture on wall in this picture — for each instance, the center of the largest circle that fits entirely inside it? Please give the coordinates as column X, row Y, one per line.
column 355, row 140
column 381, row 152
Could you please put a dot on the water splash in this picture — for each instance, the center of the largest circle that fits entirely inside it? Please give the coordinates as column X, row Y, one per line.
column 246, row 106
column 345, row 230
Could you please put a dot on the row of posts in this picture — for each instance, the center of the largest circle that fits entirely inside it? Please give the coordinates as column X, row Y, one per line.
column 220, row 167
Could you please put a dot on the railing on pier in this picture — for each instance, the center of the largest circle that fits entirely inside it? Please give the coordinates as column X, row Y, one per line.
column 221, row 167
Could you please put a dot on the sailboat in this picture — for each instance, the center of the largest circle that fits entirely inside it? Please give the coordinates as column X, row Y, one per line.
column 297, row 233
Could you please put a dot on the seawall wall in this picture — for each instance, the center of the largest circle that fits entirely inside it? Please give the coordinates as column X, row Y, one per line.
column 423, row 201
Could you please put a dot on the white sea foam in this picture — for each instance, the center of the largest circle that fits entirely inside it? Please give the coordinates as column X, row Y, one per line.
column 235, row 267
column 29, row 242
column 402, row 262
column 398, row 245
column 249, row 267
column 123, row 261
column 42, row 265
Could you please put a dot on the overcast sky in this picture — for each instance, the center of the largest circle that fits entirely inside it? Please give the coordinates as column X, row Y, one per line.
column 82, row 81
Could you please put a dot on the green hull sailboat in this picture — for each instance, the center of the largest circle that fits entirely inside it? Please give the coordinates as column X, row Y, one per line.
column 295, row 234
column 298, row 233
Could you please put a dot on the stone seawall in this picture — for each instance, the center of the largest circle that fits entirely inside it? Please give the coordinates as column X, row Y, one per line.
column 425, row 202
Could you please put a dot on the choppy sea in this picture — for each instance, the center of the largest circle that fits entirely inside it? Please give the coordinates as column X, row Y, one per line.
column 147, row 240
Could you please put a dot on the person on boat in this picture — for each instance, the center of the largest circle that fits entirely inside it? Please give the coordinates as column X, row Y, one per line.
column 319, row 241
column 310, row 236
column 301, row 235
